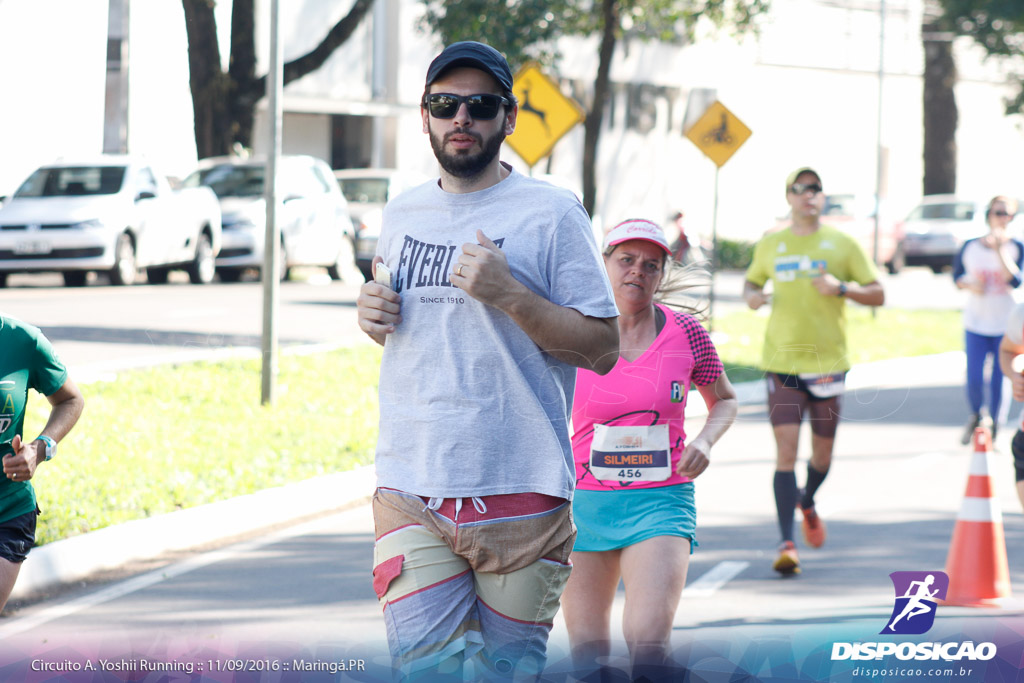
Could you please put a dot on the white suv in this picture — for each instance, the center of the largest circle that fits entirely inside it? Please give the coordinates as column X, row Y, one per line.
column 315, row 226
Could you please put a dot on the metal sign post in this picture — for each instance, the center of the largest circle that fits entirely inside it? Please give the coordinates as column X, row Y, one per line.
column 714, row 255
column 272, row 241
column 879, row 168
column 717, row 133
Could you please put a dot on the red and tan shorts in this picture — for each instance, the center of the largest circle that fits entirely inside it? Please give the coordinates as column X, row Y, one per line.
column 470, row 575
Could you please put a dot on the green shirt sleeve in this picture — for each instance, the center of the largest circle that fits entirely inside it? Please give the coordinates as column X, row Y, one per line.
column 862, row 268
column 759, row 270
column 47, row 373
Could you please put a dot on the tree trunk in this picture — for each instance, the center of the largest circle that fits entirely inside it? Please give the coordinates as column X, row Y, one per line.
column 242, row 71
column 595, row 117
column 206, row 80
column 224, row 104
column 940, row 111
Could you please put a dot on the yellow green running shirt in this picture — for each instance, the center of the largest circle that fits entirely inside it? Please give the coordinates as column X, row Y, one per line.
column 807, row 331
column 26, row 361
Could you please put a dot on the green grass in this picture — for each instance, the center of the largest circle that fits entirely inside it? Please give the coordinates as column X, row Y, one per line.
column 161, row 439
column 166, row 438
column 892, row 334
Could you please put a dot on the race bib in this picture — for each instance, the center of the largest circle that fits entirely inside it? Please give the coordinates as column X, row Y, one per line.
column 621, row 453
column 825, row 386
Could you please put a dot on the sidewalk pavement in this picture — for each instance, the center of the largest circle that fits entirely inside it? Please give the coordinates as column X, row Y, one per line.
column 76, row 558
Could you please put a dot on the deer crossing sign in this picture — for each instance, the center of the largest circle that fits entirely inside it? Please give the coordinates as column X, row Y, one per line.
column 545, row 114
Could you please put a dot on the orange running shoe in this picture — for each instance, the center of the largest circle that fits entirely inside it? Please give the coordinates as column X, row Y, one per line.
column 813, row 528
column 787, row 563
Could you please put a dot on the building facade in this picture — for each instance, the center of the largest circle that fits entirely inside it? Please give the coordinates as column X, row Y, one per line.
column 114, row 73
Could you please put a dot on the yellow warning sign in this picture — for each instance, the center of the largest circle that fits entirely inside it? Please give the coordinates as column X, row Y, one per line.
column 718, row 133
column 545, row 114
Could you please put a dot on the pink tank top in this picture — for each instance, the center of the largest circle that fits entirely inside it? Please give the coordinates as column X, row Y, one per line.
column 652, row 390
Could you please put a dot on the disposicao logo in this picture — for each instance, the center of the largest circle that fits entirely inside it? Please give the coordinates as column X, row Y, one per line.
column 916, row 596
column 913, row 613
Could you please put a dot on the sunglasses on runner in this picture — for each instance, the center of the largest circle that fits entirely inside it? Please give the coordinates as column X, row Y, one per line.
column 482, row 107
column 800, row 188
column 1002, row 214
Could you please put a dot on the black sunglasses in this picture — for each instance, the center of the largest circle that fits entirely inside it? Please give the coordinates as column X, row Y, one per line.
column 483, row 107
column 1002, row 214
column 800, row 188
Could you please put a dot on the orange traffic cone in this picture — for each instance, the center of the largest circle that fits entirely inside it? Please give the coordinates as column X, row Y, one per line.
column 979, row 575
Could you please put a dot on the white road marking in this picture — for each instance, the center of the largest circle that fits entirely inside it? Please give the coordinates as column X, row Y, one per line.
column 715, row 578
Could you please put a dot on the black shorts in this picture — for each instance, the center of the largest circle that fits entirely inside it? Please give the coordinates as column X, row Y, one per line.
column 18, row 536
column 1017, row 448
column 798, row 383
column 790, row 398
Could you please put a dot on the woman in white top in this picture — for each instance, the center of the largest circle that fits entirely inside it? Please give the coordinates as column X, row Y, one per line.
column 988, row 268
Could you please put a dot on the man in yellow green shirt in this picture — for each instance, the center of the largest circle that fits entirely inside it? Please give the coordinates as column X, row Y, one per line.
column 814, row 269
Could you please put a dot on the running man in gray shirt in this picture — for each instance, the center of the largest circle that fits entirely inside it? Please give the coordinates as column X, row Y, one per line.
column 496, row 295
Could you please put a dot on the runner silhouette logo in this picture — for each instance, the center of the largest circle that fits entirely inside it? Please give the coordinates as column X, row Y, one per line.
column 916, row 596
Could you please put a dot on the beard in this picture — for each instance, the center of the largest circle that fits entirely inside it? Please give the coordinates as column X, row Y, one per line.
column 463, row 164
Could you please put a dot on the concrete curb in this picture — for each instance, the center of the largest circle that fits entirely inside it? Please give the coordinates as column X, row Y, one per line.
column 75, row 558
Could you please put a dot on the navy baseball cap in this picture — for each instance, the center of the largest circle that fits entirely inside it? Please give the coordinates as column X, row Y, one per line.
column 473, row 54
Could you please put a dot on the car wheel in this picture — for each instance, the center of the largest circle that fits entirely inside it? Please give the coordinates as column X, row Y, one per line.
column 3, row 279
column 344, row 267
column 897, row 263
column 230, row 274
column 125, row 268
column 202, row 268
column 937, row 269
column 157, row 276
column 74, row 278
column 284, row 272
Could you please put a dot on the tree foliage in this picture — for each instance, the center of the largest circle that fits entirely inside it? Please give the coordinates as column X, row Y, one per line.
column 995, row 25
column 528, row 30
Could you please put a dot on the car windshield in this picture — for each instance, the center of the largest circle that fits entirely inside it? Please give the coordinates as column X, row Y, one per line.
column 72, row 181
column 229, row 180
column 951, row 211
column 365, row 190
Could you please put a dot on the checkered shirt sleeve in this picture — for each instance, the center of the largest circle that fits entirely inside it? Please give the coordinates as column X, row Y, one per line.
column 707, row 367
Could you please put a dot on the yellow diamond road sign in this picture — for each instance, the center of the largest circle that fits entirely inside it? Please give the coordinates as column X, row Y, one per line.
column 718, row 133
column 545, row 114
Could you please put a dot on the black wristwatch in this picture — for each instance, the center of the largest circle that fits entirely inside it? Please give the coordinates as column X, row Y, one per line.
column 842, row 289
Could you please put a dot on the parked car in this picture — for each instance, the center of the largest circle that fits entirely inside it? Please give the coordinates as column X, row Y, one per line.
column 367, row 191
column 316, row 229
column 112, row 214
column 934, row 230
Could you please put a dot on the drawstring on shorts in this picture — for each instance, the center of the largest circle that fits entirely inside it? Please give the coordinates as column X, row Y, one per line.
column 478, row 503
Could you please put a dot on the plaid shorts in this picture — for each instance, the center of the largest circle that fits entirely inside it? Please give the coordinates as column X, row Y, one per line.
column 481, row 576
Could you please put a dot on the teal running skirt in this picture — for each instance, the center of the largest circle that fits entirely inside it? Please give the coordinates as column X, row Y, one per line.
column 609, row 520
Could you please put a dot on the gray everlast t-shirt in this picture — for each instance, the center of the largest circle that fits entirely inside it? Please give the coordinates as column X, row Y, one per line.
column 469, row 404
